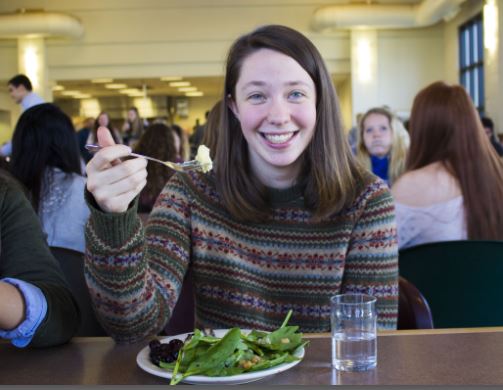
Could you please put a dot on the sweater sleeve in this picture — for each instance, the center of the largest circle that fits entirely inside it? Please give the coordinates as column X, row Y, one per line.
column 372, row 259
column 25, row 256
column 135, row 276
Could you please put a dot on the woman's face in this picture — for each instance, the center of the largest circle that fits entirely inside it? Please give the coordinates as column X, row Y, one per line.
column 377, row 136
column 275, row 102
column 131, row 115
column 103, row 120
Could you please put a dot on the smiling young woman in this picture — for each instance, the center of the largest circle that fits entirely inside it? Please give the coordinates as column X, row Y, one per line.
column 286, row 219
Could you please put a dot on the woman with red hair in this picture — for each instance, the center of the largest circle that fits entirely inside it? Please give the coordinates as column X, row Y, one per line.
column 453, row 185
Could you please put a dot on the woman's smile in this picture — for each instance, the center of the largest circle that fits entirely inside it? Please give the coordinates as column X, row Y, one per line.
column 276, row 139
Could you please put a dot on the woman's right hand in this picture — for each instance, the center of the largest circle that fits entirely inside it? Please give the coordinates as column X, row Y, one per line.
column 114, row 183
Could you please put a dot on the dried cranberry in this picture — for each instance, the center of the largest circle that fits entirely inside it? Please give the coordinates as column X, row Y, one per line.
column 176, row 345
column 154, row 343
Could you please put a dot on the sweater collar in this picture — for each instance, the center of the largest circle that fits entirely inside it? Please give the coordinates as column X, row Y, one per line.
column 279, row 197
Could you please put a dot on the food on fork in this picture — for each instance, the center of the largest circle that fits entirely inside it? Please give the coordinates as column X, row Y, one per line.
column 203, row 157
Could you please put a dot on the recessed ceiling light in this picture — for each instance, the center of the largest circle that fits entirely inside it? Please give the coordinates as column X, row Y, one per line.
column 187, row 89
column 82, row 96
column 102, row 81
column 171, row 78
column 115, row 86
column 70, row 93
column 194, row 94
column 130, row 90
column 58, row 88
column 179, row 84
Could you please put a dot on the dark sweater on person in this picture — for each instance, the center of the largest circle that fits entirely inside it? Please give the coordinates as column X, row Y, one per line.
column 24, row 255
column 246, row 274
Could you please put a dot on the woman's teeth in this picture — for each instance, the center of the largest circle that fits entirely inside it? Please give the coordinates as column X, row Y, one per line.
column 278, row 138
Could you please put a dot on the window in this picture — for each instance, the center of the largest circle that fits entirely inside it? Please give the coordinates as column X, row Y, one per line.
column 471, row 60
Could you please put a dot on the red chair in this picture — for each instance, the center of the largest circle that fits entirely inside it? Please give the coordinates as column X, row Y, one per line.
column 413, row 309
column 183, row 317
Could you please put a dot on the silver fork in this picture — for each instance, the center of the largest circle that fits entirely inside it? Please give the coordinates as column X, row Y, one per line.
column 191, row 165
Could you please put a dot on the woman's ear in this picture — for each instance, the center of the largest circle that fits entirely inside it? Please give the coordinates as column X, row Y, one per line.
column 233, row 106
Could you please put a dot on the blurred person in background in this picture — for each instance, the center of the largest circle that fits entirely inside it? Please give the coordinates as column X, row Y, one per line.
column 210, row 137
column 382, row 146
column 353, row 133
column 181, row 143
column 21, row 91
column 158, row 141
column 197, row 135
column 103, row 119
column 453, row 185
column 133, row 127
column 82, row 136
column 488, row 125
column 46, row 160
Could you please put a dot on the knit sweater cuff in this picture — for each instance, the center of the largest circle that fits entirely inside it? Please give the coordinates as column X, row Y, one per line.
column 114, row 229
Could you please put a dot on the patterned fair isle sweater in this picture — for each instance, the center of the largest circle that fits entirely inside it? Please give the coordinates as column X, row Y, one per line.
column 245, row 274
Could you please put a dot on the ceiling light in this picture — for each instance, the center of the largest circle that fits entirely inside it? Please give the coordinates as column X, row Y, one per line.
column 171, row 78
column 135, row 94
column 115, row 86
column 101, row 81
column 179, row 84
column 82, row 96
column 58, row 88
column 194, row 94
column 187, row 89
column 130, row 90
column 70, row 93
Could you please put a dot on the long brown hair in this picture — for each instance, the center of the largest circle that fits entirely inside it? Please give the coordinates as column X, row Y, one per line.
column 398, row 152
column 445, row 127
column 331, row 177
column 212, row 128
column 158, row 142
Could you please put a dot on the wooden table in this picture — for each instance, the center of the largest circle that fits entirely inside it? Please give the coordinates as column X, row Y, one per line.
column 427, row 357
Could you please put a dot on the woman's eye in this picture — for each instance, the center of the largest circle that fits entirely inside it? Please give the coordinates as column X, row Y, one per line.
column 256, row 97
column 368, row 130
column 297, row 95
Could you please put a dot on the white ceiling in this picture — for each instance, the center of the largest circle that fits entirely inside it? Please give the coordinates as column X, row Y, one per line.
column 210, row 86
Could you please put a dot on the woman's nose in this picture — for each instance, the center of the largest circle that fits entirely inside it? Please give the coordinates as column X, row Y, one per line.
column 279, row 113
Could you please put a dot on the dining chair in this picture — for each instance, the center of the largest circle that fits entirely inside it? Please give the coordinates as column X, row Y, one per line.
column 413, row 309
column 183, row 316
column 461, row 280
column 72, row 264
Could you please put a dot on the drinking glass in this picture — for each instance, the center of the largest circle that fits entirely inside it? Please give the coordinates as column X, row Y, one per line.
column 354, row 332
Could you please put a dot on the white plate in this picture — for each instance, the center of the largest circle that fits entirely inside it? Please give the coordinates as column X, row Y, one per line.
column 143, row 360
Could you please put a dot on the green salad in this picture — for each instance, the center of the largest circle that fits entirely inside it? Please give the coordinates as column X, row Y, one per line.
column 235, row 352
